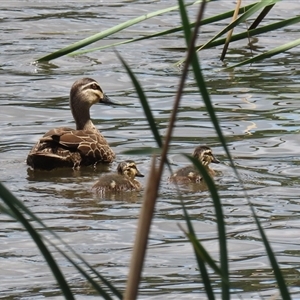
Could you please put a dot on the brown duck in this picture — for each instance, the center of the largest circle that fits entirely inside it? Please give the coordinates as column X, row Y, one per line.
column 123, row 180
column 67, row 147
column 189, row 174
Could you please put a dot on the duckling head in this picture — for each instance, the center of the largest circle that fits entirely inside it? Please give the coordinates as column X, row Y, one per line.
column 205, row 155
column 129, row 169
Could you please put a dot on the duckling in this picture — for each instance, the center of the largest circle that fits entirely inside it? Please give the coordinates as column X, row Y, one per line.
column 67, row 147
column 124, row 180
column 189, row 174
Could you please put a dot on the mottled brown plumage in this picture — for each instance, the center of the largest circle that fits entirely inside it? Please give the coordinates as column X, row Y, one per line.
column 123, row 180
column 189, row 174
column 66, row 147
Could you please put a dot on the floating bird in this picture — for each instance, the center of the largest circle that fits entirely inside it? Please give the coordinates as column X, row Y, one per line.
column 67, row 147
column 189, row 174
column 123, row 180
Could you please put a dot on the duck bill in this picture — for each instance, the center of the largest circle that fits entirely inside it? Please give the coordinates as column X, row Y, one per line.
column 106, row 100
column 139, row 174
column 215, row 160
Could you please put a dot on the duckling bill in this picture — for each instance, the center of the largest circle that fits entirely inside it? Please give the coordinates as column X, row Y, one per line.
column 189, row 174
column 67, row 147
column 123, row 180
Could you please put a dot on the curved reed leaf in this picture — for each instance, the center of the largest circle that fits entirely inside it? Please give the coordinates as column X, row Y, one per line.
column 268, row 54
column 242, row 18
column 96, row 37
column 144, row 102
column 13, row 203
column 221, row 226
column 200, row 257
column 84, row 273
column 206, row 21
column 21, row 207
column 277, row 272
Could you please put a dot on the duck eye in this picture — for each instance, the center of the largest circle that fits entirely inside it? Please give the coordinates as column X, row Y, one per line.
column 95, row 86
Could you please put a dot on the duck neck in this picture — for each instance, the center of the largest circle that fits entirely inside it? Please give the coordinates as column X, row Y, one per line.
column 82, row 118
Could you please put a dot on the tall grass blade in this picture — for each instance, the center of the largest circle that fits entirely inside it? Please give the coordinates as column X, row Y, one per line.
column 20, row 206
column 201, row 255
column 96, row 37
column 268, row 54
column 220, row 225
column 242, row 18
column 93, row 283
column 206, row 21
column 277, row 272
column 144, row 102
column 10, row 200
column 245, row 34
column 203, row 91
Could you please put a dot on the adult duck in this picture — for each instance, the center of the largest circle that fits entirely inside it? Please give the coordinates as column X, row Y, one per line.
column 67, row 147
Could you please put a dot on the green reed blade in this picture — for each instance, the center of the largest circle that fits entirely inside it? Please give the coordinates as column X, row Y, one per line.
column 221, row 226
column 144, row 102
column 246, row 34
column 96, row 37
column 277, row 272
column 224, row 269
column 206, row 21
column 242, row 18
column 21, row 207
column 10, row 200
column 268, row 54
column 201, row 265
column 84, row 273
column 222, row 239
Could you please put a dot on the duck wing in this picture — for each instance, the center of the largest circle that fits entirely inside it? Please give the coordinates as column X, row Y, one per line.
column 65, row 147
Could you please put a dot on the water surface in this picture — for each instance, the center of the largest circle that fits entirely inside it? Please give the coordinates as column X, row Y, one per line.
column 258, row 109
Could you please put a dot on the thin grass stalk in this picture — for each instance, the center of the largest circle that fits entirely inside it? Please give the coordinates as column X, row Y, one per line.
column 152, row 188
column 276, row 269
column 229, row 34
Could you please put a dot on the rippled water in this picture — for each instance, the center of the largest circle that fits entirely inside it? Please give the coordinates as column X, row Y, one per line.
column 259, row 111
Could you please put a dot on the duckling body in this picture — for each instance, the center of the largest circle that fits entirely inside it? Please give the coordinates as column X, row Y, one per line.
column 123, row 180
column 189, row 174
column 66, row 147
